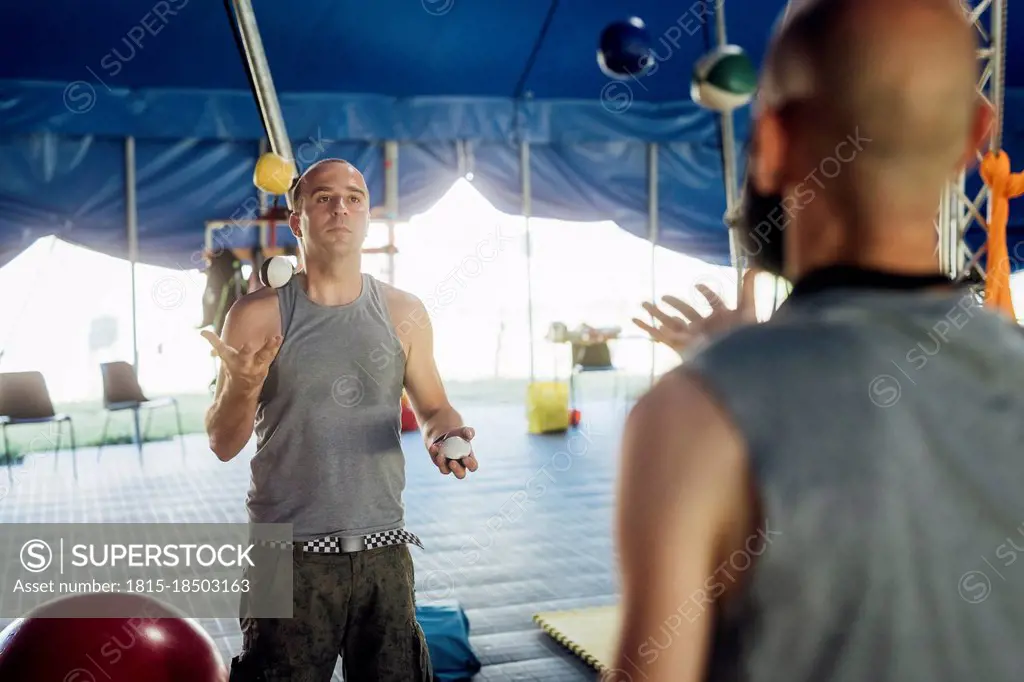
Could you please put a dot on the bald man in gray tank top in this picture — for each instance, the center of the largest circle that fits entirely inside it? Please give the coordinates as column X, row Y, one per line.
column 316, row 369
column 835, row 494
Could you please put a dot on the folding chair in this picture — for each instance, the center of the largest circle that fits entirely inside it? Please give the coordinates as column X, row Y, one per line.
column 24, row 399
column 121, row 391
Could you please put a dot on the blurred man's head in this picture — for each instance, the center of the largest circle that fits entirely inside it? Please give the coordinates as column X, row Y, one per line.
column 866, row 109
column 330, row 210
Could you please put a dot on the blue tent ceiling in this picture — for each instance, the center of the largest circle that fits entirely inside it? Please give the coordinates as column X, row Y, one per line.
column 77, row 79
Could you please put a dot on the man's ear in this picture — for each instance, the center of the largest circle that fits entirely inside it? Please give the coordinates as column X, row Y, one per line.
column 981, row 131
column 766, row 154
column 295, row 224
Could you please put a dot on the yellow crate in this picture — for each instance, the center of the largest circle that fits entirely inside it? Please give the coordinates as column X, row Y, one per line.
column 547, row 406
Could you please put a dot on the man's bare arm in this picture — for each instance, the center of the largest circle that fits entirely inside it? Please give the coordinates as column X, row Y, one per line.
column 423, row 382
column 434, row 412
column 246, row 354
column 230, row 419
column 682, row 504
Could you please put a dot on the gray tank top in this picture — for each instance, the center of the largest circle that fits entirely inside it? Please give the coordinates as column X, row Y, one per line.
column 328, row 423
column 886, row 434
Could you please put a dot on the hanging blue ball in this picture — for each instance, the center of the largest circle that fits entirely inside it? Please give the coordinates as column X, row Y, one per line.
column 624, row 50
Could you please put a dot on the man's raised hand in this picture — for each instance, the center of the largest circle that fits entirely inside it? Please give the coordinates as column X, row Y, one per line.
column 690, row 328
column 246, row 367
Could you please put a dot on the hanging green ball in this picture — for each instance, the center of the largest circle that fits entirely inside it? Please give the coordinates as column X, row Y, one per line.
column 724, row 79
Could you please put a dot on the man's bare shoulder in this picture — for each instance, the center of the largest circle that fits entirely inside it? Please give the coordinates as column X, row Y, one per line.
column 408, row 316
column 255, row 314
column 259, row 302
column 681, row 410
column 401, row 303
column 678, row 401
column 689, row 442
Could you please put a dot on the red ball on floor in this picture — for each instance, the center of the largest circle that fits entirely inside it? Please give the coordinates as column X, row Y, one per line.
column 52, row 644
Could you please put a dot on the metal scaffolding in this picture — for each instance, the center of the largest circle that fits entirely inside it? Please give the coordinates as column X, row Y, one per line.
column 958, row 212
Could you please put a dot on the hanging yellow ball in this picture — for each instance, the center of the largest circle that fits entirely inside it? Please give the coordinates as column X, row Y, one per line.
column 274, row 174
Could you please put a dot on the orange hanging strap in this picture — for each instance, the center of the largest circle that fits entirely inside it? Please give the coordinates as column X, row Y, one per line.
column 1003, row 186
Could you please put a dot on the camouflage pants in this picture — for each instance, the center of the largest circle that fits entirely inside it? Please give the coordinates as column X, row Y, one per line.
column 359, row 606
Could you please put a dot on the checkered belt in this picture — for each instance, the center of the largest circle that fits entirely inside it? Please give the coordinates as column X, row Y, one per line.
column 344, row 545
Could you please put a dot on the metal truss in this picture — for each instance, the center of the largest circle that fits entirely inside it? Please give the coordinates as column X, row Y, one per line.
column 958, row 212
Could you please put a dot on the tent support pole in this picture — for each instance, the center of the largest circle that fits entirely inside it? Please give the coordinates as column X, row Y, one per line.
column 524, row 174
column 266, row 94
column 652, row 227
column 132, row 222
column 391, row 201
column 264, row 199
column 729, row 164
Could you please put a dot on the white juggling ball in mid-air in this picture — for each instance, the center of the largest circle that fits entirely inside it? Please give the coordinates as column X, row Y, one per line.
column 276, row 271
